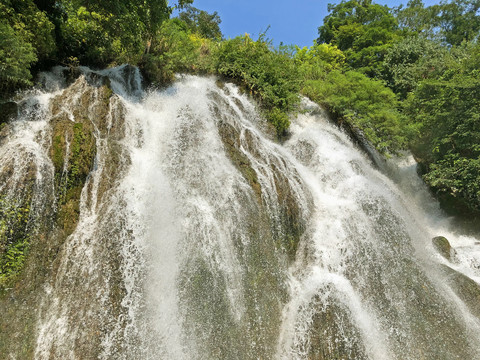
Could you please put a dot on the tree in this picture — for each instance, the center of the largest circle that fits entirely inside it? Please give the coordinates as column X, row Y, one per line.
column 459, row 20
column 445, row 110
column 362, row 30
column 16, row 57
column 451, row 22
column 201, row 22
column 31, row 25
column 416, row 19
column 411, row 60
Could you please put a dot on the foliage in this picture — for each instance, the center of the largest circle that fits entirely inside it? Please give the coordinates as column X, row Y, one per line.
column 26, row 36
column 412, row 60
column 362, row 30
column 30, row 25
column 456, row 180
column 14, row 238
column 364, row 103
column 313, row 62
column 416, row 19
column 97, row 33
column 104, row 32
column 270, row 75
column 452, row 22
column 445, row 110
column 176, row 50
column 459, row 20
column 16, row 57
column 201, row 22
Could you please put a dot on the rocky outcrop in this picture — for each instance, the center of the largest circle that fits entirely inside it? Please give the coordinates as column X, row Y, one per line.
column 466, row 289
column 333, row 336
column 79, row 118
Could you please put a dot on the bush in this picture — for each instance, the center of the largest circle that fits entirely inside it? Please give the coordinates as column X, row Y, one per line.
column 176, row 50
column 270, row 75
column 364, row 103
column 14, row 238
column 314, row 62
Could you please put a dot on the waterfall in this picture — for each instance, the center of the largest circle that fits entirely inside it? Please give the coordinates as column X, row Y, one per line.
column 170, row 224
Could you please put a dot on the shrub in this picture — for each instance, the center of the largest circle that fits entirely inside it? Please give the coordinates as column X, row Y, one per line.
column 176, row 50
column 270, row 75
column 364, row 103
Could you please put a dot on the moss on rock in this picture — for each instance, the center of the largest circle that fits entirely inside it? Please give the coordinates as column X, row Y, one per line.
column 332, row 334
column 74, row 146
column 231, row 140
column 442, row 245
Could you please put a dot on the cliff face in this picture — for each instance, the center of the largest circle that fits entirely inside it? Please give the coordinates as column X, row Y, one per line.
column 48, row 156
column 138, row 225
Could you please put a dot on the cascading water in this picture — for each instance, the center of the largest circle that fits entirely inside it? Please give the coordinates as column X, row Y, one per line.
column 169, row 225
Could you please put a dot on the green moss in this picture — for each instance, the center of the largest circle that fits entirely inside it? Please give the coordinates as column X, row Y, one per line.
column 443, row 246
column 80, row 162
column 231, row 141
column 58, row 152
column 73, row 149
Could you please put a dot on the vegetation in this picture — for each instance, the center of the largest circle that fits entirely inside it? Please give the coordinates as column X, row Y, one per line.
column 448, row 145
column 403, row 77
column 363, row 103
column 269, row 74
column 362, row 30
column 428, row 57
column 14, row 238
column 201, row 22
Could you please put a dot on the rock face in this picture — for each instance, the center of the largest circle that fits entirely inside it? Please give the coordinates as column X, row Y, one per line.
column 8, row 111
column 467, row 289
column 74, row 122
column 172, row 226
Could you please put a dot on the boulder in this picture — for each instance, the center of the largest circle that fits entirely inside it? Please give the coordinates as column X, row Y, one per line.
column 442, row 245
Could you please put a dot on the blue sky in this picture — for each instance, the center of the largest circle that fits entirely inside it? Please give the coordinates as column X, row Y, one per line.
column 291, row 21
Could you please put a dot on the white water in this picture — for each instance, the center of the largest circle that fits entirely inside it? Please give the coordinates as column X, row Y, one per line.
column 194, row 250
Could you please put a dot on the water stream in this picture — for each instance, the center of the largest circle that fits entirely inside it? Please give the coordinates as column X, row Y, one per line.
column 198, row 236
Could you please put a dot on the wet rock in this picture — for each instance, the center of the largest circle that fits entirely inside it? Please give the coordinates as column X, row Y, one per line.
column 71, row 74
column 231, row 140
column 333, row 336
column 129, row 74
column 75, row 128
column 442, row 245
column 97, row 80
column 8, row 111
column 466, row 289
